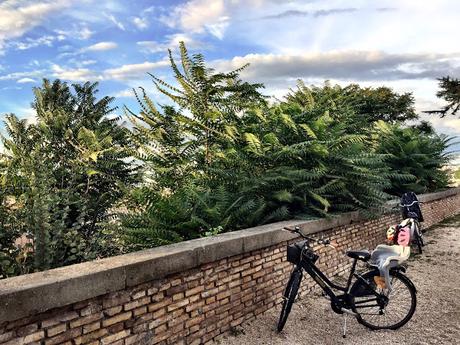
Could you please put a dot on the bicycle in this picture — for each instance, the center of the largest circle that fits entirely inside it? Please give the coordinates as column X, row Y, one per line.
column 415, row 224
column 364, row 299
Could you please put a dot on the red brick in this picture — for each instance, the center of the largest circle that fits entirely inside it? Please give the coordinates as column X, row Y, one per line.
column 116, row 319
column 51, row 332
column 114, row 337
column 85, row 320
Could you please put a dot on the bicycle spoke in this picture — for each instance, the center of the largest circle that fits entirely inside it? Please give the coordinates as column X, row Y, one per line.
column 397, row 308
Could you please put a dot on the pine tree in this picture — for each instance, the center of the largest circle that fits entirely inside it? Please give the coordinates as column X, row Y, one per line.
column 449, row 92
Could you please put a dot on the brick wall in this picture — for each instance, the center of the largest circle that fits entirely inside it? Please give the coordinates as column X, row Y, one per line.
column 198, row 304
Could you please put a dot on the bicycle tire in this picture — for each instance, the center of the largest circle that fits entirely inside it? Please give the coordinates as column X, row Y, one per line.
column 289, row 296
column 418, row 238
column 419, row 242
column 406, row 284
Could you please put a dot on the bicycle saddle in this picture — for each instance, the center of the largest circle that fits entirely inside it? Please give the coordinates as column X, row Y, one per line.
column 363, row 255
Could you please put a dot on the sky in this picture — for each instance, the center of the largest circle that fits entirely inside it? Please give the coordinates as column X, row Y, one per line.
column 404, row 44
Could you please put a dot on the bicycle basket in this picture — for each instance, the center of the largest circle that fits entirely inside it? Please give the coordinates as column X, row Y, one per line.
column 294, row 252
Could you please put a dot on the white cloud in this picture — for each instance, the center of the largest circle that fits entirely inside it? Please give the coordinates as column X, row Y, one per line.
column 446, row 125
column 101, row 46
column 345, row 65
column 85, row 33
column 190, row 42
column 198, row 16
column 316, row 13
column 218, row 28
column 149, row 9
column 25, row 80
column 152, row 46
column 78, row 74
column 29, row 43
column 195, row 14
column 131, row 71
column 301, row 26
column 126, row 93
column 79, row 31
column 172, row 42
column 114, row 20
column 124, row 72
column 88, row 62
column 26, row 74
column 141, row 23
column 77, row 62
column 18, row 17
column 25, row 112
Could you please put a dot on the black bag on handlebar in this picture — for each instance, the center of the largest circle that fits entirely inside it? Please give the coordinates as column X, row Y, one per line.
column 294, row 253
column 412, row 211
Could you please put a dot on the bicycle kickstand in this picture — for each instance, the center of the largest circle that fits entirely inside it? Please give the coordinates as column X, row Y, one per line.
column 344, row 335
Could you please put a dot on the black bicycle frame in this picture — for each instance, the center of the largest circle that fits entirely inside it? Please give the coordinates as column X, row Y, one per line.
column 327, row 286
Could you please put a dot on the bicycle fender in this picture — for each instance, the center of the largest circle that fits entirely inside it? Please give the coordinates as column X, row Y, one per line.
column 409, row 282
column 398, row 269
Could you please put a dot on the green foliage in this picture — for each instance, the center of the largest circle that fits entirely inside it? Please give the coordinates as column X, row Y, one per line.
column 449, row 92
column 218, row 157
column 207, row 122
column 355, row 104
column 316, row 166
column 224, row 159
column 70, row 168
column 414, row 153
column 13, row 260
column 187, row 152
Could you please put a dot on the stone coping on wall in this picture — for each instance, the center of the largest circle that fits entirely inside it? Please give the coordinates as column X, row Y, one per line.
column 34, row 293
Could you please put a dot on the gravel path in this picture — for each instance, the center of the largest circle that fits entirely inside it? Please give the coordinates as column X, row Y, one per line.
column 436, row 319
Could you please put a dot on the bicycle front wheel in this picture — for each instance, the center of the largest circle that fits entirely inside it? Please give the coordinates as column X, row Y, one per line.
column 418, row 240
column 388, row 311
column 289, row 296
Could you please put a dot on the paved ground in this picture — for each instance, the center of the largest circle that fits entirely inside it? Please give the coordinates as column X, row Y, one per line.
column 436, row 320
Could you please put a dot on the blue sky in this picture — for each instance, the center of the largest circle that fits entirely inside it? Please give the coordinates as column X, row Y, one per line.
column 403, row 44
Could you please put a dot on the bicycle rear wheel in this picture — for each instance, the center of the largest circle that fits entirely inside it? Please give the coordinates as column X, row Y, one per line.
column 389, row 311
column 289, row 296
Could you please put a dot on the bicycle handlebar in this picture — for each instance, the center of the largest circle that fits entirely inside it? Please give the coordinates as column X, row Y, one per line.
column 325, row 242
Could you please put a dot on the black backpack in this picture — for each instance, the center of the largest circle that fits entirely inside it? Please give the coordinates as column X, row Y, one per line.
column 410, row 207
